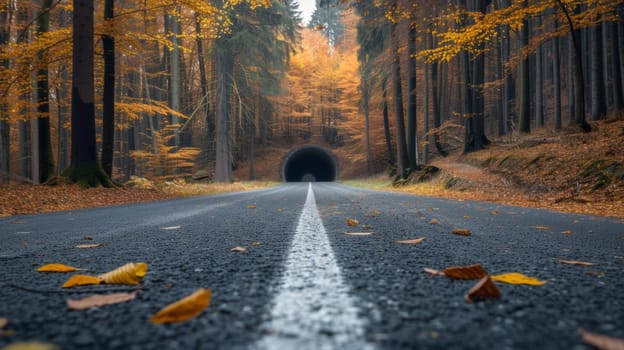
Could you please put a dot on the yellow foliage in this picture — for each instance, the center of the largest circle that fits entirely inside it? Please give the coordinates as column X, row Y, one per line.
column 184, row 309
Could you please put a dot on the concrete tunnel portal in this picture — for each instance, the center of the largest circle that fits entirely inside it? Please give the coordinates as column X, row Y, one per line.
column 308, row 164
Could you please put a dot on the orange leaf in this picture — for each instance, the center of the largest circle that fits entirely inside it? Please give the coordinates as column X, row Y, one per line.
column 413, row 241
column 57, row 268
column 99, row 300
column 576, row 262
column 600, row 341
column 81, row 280
column 352, row 222
column 485, row 288
column 251, row 206
column 470, row 272
column 184, row 309
column 239, row 249
column 462, row 232
column 129, row 273
column 434, row 272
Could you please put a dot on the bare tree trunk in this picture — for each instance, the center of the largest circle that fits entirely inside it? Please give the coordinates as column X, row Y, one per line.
column 108, row 99
column 412, row 124
column 598, row 100
column 223, row 166
column 539, row 90
column 618, row 91
column 365, row 105
column 174, row 87
column 557, row 82
column 386, row 122
column 399, row 115
column 523, row 77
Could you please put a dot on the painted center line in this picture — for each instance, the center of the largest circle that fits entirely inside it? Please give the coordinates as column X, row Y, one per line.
column 313, row 308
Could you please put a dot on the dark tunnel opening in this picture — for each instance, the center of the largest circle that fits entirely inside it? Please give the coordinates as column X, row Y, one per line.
column 309, row 164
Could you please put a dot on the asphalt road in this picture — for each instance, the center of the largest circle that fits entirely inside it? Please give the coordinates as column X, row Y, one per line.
column 305, row 284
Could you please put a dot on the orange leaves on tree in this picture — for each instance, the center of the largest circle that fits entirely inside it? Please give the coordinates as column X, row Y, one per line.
column 470, row 272
column 517, row 278
column 129, row 273
column 57, row 268
column 184, row 309
column 484, row 289
column 99, row 300
column 81, row 280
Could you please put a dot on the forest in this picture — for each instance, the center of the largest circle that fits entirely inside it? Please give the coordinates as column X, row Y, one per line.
column 100, row 91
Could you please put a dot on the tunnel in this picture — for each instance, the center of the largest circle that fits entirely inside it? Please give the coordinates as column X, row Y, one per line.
column 309, row 164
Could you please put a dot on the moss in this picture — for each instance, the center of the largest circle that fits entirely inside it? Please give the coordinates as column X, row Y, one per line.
column 89, row 175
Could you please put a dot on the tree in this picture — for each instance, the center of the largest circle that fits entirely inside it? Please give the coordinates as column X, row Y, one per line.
column 84, row 168
column 108, row 99
column 4, row 116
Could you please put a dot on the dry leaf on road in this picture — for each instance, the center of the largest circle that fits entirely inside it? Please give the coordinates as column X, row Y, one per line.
column 57, row 268
column 99, row 300
column 88, row 246
column 31, row 345
column 129, row 273
column 3, row 322
column 434, row 272
column 81, row 280
column 517, row 278
column 434, row 222
column 251, row 206
column 545, row 228
column 600, row 341
column 238, row 249
column 352, row 222
column 484, row 289
column 470, row 272
column 184, row 309
column 576, row 262
column 170, row 228
column 413, row 241
column 462, row 232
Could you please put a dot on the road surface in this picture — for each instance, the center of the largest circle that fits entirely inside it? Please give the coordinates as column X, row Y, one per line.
column 305, row 284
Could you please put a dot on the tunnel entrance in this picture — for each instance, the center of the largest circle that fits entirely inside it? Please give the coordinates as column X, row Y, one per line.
column 309, row 164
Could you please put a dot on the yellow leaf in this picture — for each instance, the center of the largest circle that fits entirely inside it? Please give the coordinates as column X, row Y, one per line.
column 129, row 273
column 184, row 309
column 57, row 268
column 413, row 241
column 251, row 206
column 517, row 278
column 352, row 222
column 256, row 244
column 99, row 300
column 81, row 280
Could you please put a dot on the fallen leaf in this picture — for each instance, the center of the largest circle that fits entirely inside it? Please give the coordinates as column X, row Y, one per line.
column 129, row 273
column 484, row 289
column 462, row 232
column 255, row 244
column 57, row 268
column 600, row 341
column 358, row 233
column 413, row 241
column 567, row 232
column 81, row 280
column 373, row 214
column 517, row 278
column 87, row 238
column 352, row 222
column 434, row 221
column 239, row 249
column 99, row 300
column 576, row 262
column 434, row 272
column 87, row 246
column 31, row 345
column 540, row 227
column 367, row 227
column 470, row 272
column 184, row 309
column 170, row 227
column 251, row 206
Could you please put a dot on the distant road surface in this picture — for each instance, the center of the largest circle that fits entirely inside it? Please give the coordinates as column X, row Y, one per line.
column 303, row 283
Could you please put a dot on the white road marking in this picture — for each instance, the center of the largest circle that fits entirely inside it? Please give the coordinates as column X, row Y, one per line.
column 313, row 308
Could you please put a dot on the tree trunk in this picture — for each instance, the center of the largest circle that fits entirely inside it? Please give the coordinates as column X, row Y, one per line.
column 174, row 84
column 108, row 99
column 412, row 124
column 618, row 91
column 426, row 97
column 539, row 90
column 84, row 169
column 5, row 32
column 523, row 77
column 557, row 81
column 223, row 166
column 386, row 122
column 598, row 99
column 365, row 105
column 399, row 115
column 46, row 157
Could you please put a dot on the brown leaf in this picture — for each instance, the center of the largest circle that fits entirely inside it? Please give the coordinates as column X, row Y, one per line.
column 358, row 233
column 87, row 246
column 81, row 280
column 434, row 221
column 413, row 241
column 129, row 273
column 184, row 309
column 352, row 222
column 600, row 341
column 484, row 289
column 99, row 300
column 576, row 262
column 57, row 268
column 434, row 272
column 470, row 272
column 238, row 249
column 462, row 232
